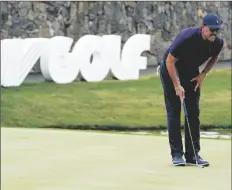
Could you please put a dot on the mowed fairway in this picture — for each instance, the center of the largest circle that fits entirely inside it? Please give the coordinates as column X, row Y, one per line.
column 46, row 159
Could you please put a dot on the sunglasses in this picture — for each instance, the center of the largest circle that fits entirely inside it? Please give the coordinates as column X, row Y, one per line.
column 214, row 30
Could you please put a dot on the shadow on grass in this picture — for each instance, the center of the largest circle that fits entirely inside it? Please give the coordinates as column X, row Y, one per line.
column 126, row 128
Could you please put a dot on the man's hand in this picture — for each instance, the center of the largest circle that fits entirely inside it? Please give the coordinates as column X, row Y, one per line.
column 200, row 78
column 180, row 92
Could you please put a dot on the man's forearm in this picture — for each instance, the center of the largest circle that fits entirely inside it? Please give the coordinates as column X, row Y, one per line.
column 209, row 64
column 170, row 62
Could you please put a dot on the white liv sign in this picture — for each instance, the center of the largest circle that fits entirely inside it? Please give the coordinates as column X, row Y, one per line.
column 62, row 65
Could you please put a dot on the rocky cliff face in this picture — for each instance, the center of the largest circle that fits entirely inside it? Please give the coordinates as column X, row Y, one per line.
column 162, row 20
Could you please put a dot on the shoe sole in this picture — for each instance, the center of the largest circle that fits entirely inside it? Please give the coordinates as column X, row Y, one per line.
column 180, row 164
column 191, row 164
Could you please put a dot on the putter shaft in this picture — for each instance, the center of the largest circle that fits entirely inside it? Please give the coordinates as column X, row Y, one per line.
column 190, row 134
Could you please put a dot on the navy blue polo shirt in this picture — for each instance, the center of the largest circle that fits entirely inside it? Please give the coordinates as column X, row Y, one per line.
column 192, row 50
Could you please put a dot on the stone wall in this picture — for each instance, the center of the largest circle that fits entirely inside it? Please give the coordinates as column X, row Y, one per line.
column 162, row 20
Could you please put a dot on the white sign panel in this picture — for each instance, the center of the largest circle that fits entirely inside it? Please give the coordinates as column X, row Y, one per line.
column 61, row 64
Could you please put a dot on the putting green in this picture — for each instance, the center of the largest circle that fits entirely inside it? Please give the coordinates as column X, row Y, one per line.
column 45, row 159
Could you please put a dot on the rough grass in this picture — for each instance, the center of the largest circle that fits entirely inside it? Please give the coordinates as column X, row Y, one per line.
column 112, row 103
column 44, row 159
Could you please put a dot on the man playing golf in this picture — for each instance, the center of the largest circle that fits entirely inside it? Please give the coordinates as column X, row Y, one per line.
column 182, row 80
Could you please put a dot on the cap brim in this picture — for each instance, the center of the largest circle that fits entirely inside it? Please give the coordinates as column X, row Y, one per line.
column 215, row 27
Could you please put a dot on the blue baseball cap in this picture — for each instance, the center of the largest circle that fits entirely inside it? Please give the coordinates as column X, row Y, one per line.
column 212, row 21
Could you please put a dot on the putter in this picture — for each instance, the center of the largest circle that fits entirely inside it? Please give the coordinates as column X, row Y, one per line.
column 186, row 116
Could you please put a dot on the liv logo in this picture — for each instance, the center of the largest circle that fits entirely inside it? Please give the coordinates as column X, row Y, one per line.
column 61, row 64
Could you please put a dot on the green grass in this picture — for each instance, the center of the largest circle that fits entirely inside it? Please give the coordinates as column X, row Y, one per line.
column 45, row 159
column 121, row 103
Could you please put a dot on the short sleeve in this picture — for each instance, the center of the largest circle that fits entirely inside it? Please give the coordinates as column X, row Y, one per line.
column 217, row 48
column 178, row 46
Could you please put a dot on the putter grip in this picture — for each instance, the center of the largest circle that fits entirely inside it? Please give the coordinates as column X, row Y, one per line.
column 185, row 109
